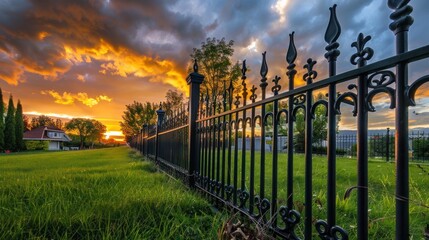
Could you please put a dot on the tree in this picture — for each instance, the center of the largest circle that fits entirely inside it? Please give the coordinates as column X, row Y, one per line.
column 19, row 127
column 26, row 121
column 214, row 62
column 174, row 101
column 1, row 121
column 9, row 130
column 41, row 120
column 98, row 132
column 320, row 125
column 135, row 115
column 86, row 129
column 59, row 123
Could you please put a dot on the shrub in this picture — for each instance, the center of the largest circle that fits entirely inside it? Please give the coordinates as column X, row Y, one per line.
column 37, row 145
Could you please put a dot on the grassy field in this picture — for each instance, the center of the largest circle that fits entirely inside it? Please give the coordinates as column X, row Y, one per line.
column 112, row 194
column 97, row 194
column 381, row 191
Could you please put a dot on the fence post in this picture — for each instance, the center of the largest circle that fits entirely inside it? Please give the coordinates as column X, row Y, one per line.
column 160, row 113
column 194, row 80
column 387, row 145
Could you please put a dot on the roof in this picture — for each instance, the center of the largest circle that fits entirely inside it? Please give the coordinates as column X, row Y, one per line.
column 41, row 133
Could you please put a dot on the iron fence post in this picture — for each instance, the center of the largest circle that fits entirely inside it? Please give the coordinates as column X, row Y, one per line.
column 387, row 145
column 194, row 80
column 160, row 113
column 400, row 25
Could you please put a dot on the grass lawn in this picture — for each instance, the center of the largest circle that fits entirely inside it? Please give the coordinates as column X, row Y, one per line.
column 97, row 194
column 381, row 192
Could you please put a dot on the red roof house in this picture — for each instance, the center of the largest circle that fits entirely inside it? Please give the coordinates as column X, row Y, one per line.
column 53, row 135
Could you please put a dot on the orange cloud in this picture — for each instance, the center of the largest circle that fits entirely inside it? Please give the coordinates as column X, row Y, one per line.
column 124, row 62
column 69, row 98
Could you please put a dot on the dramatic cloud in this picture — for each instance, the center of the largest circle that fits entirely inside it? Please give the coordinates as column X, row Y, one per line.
column 86, row 50
column 69, row 98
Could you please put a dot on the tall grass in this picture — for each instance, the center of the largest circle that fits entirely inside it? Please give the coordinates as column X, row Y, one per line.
column 97, row 194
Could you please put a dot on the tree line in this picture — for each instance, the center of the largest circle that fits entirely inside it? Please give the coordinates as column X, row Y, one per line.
column 13, row 124
column 136, row 114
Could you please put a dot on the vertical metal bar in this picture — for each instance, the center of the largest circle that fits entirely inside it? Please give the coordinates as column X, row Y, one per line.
column 331, row 35
column 388, row 145
column 206, row 152
column 235, row 174
column 362, row 157
column 243, row 136
column 290, row 59
column 243, row 153
column 229, row 151
column 252, row 161
column 218, row 156
column 209, row 158
column 263, row 85
column 274, row 141
column 223, row 156
column 213, row 167
column 400, row 25
column 308, row 223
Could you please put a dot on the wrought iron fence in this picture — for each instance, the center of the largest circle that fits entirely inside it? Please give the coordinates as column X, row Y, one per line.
column 205, row 147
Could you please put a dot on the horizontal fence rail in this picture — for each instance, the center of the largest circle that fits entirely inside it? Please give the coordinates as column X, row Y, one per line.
column 229, row 145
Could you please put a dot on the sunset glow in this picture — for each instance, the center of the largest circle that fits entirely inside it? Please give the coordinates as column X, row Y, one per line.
column 89, row 59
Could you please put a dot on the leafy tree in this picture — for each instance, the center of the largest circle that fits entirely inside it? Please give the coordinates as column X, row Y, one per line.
column 320, row 126
column 19, row 127
column 42, row 120
column 214, row 62
column 98, row 132
column 174, row 101
column 86, row 129
column 1, row 121
column 26, row 121
column 135, row 115
column 59, row 123
column 9, row 130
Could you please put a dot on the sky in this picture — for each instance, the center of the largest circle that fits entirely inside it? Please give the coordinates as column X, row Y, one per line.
column 77, row 58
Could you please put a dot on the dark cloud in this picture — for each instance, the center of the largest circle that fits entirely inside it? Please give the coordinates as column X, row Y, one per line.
column 135, row 50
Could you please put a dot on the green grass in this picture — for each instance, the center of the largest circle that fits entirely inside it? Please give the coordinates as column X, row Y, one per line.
column 381, row 192
column 97, row 194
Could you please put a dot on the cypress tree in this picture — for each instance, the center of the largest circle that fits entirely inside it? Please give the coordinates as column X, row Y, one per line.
column 9, row 130
column 19, row 127
column 1, row 122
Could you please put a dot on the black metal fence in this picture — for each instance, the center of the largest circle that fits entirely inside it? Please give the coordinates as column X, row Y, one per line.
column 204, row 148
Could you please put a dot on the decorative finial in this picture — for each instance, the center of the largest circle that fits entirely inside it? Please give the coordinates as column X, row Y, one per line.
column 334, row 29
column 253, row 96
column 401, row 16
column 395, row 4
column 276, row 88
column 362, row 53
column 291, row 52
column 243, row 70
column 237, row 101
column 290, row 58
column 264, row 66
column 195, row 66
column 311, row 74
column 264, row 72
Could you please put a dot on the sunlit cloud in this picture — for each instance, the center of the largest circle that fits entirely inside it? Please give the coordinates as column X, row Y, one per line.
column 280, row 8
column 69, row 98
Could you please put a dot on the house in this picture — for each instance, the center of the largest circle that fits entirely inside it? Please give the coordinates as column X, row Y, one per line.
column 46, row 138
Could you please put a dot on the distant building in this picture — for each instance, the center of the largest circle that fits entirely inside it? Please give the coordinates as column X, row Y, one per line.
column 45, row 138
